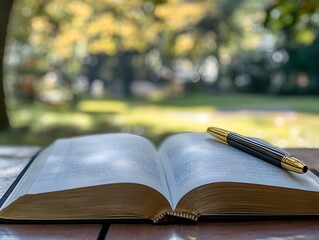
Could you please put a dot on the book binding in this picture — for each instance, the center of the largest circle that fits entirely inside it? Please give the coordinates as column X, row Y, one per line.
column 169, row 216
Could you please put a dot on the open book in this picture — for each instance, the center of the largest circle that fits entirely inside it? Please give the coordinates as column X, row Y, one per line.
column 123, row 176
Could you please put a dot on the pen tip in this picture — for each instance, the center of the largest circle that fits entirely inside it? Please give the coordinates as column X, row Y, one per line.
column 291, row 163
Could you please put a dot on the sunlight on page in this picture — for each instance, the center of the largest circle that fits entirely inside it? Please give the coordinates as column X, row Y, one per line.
column 100, row 159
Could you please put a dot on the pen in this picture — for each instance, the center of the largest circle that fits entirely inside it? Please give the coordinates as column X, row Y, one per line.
column 263, row 151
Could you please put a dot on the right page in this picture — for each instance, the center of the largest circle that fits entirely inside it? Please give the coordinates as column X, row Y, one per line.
column 191, row 160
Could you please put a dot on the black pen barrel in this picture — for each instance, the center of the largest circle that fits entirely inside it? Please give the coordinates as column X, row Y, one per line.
column 255, row 148
column 259, row 149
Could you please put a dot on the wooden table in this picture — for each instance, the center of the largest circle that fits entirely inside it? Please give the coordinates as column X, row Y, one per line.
column 14, row 159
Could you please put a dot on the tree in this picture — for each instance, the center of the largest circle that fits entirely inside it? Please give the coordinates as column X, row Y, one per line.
column 198, row 30
column 5, row 11
column 296, row 21
column 296, row 25
column 223, row 28
column 66, row 33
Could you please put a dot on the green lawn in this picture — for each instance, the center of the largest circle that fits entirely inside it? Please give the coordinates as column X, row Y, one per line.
column 283, row 121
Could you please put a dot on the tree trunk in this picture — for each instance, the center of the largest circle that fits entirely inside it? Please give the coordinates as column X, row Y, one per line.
column 5, row 10
column 126, row 71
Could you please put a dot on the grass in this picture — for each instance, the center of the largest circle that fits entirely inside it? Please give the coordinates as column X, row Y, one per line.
column 283, row 121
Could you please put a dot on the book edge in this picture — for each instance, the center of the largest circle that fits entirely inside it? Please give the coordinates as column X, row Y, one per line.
column 17, row 180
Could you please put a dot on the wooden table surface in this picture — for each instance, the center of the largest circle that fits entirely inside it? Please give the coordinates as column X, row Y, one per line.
column 14, row 159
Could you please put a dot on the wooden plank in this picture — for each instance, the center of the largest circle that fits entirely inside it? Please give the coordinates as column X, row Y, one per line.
column 12, row 162
column 305, row 229
column 279, row 229
column 49, row 231
column 18, row 151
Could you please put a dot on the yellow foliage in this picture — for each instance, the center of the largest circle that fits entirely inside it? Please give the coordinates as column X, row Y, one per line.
column 307, row 36
column 133, row 43
column 79, row 9
column 41, row 27
column 177, row 16
column 41, row 24
column 105, row 23
column 56, row 8
column 81, row 12
column 152, row 33
column 126, row 29
column 65, row 41
column 122, row 4
column 104, row 44
column 109, row 25
column 184, row 43
column 36, row 39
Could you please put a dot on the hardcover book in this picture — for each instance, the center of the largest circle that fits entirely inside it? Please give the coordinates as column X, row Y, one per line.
column 123, row 176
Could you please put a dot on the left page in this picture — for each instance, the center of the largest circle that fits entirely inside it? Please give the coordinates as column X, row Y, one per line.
column 100, row 159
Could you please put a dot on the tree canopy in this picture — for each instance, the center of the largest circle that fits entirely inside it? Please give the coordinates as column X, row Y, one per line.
column 69, row 30
column 122, row 41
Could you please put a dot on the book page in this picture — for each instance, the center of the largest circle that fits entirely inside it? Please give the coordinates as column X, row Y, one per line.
column 26, row 180
column 191, row 160
column 101, row 159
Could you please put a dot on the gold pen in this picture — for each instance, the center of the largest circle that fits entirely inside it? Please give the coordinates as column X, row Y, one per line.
column 263, row 151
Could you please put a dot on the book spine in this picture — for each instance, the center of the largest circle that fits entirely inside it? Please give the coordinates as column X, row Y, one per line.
column 165, row 216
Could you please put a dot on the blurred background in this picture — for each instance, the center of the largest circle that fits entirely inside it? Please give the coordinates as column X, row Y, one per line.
column 159, row 67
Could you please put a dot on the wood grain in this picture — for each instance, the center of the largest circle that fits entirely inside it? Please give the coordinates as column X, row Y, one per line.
column 269, row 230
column 49, row 231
